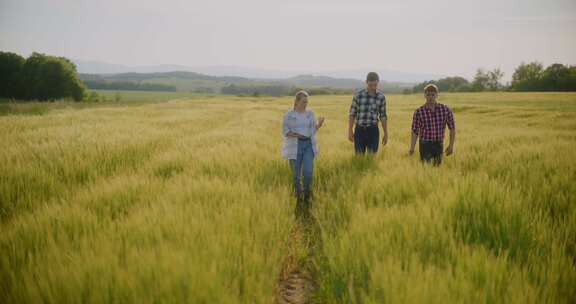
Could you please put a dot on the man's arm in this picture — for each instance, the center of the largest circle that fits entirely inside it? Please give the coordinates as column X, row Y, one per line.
column 352, row 119
column 351, row 128
column 413, row 143
column 452, row 127
column 415, row 130
column 450, row 148
column 384, row 121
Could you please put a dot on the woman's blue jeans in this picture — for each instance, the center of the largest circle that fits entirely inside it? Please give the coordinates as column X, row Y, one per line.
column 303, row 167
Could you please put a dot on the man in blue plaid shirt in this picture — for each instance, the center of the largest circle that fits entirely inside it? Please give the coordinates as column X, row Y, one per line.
column 368, row 106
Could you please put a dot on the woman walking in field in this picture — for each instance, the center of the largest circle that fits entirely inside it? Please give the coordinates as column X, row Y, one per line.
column 300, row 146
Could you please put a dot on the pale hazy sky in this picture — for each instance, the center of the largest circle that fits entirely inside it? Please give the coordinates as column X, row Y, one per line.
column 448, row 37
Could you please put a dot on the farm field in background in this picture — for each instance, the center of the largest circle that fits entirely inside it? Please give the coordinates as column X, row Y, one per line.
column 142, row 96
column 113, row 98
column 157, row 199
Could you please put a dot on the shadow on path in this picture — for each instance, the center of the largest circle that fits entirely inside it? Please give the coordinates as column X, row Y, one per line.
column 305, row 263
column 300, row 269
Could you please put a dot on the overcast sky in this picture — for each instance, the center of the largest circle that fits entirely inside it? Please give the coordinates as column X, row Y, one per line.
column 448, row 37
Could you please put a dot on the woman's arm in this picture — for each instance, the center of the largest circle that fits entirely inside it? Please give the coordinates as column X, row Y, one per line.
column 316, row 124
column 293, row 134
column 319, row 123
column 286, row 129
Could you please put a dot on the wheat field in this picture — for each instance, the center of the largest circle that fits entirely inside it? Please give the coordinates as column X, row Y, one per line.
column 188, row 201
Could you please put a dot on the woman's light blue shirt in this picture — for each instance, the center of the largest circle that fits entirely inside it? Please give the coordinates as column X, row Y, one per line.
column 303, row 123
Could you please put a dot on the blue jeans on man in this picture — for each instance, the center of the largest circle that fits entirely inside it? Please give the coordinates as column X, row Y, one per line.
column 366, row 138
column 302, row 168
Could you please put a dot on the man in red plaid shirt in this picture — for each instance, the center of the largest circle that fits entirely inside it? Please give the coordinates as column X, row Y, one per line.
column 428, row 123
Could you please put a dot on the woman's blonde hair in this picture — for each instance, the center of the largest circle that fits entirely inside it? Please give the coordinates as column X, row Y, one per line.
column 299, row 95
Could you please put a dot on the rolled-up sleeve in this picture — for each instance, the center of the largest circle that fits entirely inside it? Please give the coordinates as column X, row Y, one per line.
column 416, row 124
column 450, row 120
column 354, row 107
column 382, row 110
column 285, row 128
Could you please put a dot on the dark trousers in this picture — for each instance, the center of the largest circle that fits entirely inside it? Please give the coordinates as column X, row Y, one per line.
column 366, row 138
column 431, row 151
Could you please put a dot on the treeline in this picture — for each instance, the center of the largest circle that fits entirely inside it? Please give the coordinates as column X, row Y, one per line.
column 39, row 77
column 277, row 90
column 448, row 84
column 527, row 77
column 533, row 77
column 128, row 86
column 272, row 90
column 483, row 81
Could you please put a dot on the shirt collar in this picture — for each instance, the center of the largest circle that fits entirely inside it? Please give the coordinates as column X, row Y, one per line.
column 365, row 91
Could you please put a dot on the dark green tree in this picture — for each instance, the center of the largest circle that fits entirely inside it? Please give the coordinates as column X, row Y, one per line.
column 481, row 80
column 448, row 84
column 528, row 77
column 451, row 84
column 568, row 83
column 10, row 67
column 50, row 78
column 494, row 77
column 558, row 77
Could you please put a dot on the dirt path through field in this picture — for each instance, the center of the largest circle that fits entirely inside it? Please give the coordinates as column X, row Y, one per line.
column 298, row 279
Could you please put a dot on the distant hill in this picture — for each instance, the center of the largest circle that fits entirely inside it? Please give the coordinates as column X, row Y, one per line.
column 97, row 67
column 132, row 76
column 323, row 81
column 200, row 83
